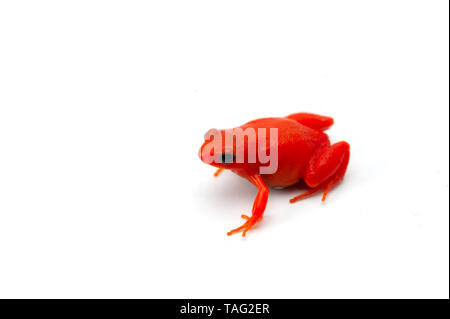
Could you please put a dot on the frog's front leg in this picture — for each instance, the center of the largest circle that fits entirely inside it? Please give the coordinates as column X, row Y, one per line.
column 259, row 206
column 325, row 169
column 218, row 171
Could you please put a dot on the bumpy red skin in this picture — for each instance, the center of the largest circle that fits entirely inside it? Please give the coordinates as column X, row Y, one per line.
column 304, row 152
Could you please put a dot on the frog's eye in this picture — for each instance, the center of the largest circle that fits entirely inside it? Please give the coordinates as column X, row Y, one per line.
column 227, row 158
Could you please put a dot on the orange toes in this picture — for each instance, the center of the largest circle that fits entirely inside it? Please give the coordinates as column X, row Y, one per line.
column 325, row 193
column 305, row 194
column 250, row 221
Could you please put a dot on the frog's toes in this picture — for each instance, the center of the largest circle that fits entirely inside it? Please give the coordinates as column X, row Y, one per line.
column 233, row 231
column 250, row 221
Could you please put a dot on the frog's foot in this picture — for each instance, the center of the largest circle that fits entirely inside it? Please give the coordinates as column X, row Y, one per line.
column 250, row 222
column 306, row 194
column 314, row 190
column 219, row 170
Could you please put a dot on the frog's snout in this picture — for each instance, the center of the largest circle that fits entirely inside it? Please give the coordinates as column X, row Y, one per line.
column 201, row 153
column 207, row 155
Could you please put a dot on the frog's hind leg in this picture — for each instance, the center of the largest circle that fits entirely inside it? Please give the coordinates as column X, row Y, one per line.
column 326, row 169
column 314, row 121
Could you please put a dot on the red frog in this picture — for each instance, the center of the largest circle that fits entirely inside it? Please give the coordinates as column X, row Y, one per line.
column 302, row 149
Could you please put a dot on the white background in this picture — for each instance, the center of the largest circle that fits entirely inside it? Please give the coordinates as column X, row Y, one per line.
column 103, row 106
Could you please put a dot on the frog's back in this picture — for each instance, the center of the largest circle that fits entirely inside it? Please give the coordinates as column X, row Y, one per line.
column 296, row 144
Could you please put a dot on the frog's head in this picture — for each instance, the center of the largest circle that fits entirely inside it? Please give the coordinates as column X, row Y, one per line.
column 225, row 149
